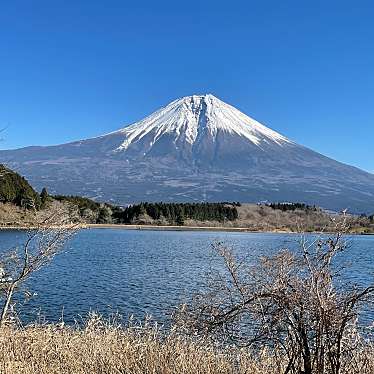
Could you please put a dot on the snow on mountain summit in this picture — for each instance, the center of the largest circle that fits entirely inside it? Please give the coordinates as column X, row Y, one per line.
column 193, row 117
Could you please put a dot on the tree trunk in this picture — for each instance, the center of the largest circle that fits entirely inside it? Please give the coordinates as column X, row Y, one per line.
column 6, row 304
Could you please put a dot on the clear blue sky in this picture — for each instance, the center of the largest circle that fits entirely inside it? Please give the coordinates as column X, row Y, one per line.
column 76, row 69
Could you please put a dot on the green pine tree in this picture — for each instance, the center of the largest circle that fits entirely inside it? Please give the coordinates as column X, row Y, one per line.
column 44, row 197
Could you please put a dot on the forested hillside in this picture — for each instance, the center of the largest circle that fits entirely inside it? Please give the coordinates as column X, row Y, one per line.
column 16, row 190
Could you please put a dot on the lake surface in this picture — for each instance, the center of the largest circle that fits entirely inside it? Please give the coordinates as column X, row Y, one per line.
column 139, row 272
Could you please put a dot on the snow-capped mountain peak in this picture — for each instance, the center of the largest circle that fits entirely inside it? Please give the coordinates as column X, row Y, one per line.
column 191, row 118
column 196, row 148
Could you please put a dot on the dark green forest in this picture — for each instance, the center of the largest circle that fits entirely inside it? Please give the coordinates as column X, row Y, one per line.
column 286, row 207
column 173, row 213
column 16, row 190
column 176, row 213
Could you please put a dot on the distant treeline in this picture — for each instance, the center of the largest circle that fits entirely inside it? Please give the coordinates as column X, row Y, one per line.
column 170, row 213
column 285, row 207
column 178, row 212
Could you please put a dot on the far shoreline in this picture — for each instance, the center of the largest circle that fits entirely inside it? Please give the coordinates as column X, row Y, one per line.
column 182, row 228
column 133, row 227
column 205, row 228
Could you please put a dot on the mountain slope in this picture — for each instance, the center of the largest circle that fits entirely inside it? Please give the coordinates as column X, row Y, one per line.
column 195, row 148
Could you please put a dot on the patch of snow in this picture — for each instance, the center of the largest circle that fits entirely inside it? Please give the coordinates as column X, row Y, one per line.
column 190, row 116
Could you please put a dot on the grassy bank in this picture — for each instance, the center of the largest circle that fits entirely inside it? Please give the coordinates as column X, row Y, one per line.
column 94, row 350
column 98, row 348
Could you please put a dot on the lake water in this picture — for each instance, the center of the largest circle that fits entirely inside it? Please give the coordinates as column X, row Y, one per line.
column 140, row 272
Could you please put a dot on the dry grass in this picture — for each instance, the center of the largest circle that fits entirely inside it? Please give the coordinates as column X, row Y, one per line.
column 100, row 348
column 93, row 350
column 11, row 215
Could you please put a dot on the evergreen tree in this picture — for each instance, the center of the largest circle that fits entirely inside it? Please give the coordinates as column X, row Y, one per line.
column 176, row 213
column 180, row 219
column 105, row 215
column 44, row 197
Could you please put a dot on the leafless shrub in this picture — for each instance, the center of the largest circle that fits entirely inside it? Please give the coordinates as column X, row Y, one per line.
column 293, row 303
column 43, row 241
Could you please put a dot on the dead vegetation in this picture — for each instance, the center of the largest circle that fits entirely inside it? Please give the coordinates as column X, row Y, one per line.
column 265, row 218
column 294, row 303
column 103, row 348
column 100, row 347
column 253, row 217
column 12, row 216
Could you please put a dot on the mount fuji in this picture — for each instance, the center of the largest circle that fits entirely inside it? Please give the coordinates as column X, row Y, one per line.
column 196, row 148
